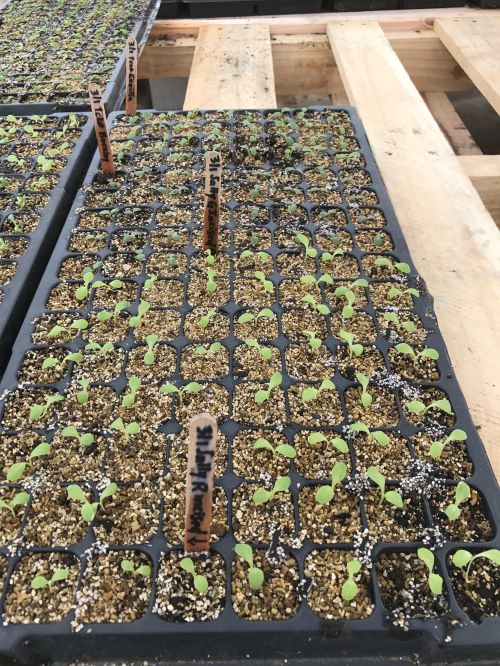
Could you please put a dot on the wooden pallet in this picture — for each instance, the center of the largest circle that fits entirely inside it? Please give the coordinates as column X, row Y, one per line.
column 395, row 67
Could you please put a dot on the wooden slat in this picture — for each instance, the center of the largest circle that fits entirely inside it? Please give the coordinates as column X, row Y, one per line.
column 304, row 64
column 232, row 69
column 475, row 45
column 484, row 173
column 451, row 124
column 414, row 19
column 453, row 239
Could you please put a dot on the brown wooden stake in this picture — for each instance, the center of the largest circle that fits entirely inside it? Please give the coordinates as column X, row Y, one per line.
column 131, row 76
column 199, row 483
column 101, row 129
column 213, row 170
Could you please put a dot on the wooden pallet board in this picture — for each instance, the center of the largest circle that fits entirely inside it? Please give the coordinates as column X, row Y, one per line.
column 233, row 63
column 395, row 67
column 475, row 45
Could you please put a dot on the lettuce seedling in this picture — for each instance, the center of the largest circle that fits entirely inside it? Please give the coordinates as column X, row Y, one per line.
column 128, row 399
column 77, row 324
column 310, row 279
column 349, row 588
column 39, row 582
column 418, row 407
column 391, row 496
column 247, row 317
column 434, row 580
column 265, row 352
column 337, row 442
column 313, row 393
column 324, row 495
column 142, row 309
column 328, row 256
column 20, row 499
column 436, row 448
column 377, row 435
column 314, row 341
column 210, row 350
column 427, row 352
column 462, row 558
column 394, row 319
column 366, row 398
column 200, row 582
column 255, row 575
column 192, row 387
column 349, row 296
column 83, row 395
column 71, row 432
column 51, row 362
column 205, row 320
column 143, row 570
column 400, row 266
column 262, row 256
column 354, row 349
column 284, row 450
column 109, row 286
column 211, row 283
column 310, row 252
column 462, row 493
column 317, row 307
column 101, row 349
column 267, row 284
column 16, row 470
column 150, row 357
column 40, row 410
column 281, row 485
column 128, row 429
column 106, row 315
column 264, row 394
column 88, row 509
column 149, row 283
column 396, row 293
column 82, row 292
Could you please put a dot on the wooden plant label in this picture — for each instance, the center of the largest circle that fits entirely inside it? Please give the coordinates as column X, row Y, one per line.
column 101, row 129
column 213, row 169
column 199, row 483
column 131, row 76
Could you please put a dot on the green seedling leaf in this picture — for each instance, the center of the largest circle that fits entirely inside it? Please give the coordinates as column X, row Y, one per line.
column 461, row 558
column 244, row 551
column 286, row 450
column 415, row 407
column 309, row 394
column 43, row 449
column 261, row 496
column 15, row 472
column 76, row 493
column 282, row 484
column 435, row 583
column 200, row 584
column 349, row 590
column 255, row 578
column 393, row 497
column 324, row 495
column 39, row 582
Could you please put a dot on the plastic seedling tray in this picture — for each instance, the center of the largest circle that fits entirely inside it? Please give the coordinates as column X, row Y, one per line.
column 17, row 294
column 169, row 9
column 214, row 8
column 114, row 90
column 360, row 219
